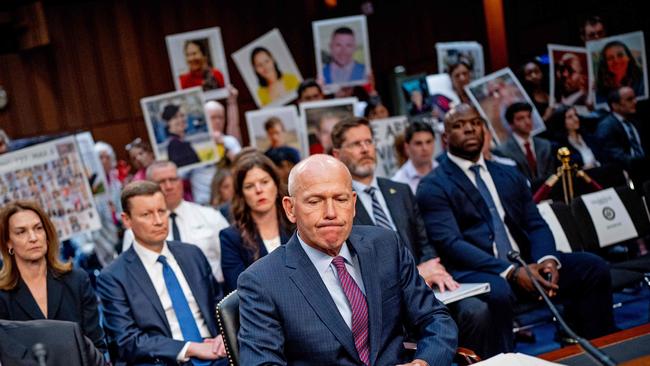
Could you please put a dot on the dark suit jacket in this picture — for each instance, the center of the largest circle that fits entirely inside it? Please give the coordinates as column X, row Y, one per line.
column 135, row 318
column 406, row 217
column 70, row 297
column 63, row 341
column 459, row 223
column 615, row 144
column 543, row 154
column 590, row 141
column 235, row 258
column 288, row 316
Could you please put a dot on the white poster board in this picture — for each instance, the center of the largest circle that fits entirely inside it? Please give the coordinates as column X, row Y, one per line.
column 610, row 217
column 385, row 131
column 52, row 174
column 561, row 241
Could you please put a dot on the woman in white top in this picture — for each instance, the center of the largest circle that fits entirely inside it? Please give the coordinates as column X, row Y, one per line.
column 260, row 225
column 570, row 135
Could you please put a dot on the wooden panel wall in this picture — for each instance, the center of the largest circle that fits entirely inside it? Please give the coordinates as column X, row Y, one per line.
column 106, row 55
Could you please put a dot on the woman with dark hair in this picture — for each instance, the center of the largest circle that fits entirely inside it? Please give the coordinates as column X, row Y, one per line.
column 260, row 225
column 460, row 74
column 201, row 73
column 179, row 151
column 273, row 83
column 34, row 283
column 565, row 122
column 617, row 67
column 534, row 82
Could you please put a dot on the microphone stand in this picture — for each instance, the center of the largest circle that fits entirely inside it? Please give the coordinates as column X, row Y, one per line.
column 592, row 351
column 40, row 354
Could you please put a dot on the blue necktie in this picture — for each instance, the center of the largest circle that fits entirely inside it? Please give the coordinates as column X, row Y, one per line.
column 635, row 144
column 500, row 234
column 380, row 216
column 182, row 309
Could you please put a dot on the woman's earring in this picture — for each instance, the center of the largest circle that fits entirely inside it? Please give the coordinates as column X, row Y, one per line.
column 11, row 251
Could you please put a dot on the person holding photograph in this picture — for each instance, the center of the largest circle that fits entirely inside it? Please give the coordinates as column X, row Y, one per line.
column 260, row 225
column 309, row 91
column 273, row 83
column 201, row 73
column 179, row 151
column 533, row 81
column 34, row 283
column 617, row 67
column 343, row 67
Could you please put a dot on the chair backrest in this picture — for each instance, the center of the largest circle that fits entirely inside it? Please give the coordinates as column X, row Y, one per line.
column 633, row 205
column 228, row 318
column 568, row 226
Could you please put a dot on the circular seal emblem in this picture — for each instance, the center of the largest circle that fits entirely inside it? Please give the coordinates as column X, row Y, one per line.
column 608, row 213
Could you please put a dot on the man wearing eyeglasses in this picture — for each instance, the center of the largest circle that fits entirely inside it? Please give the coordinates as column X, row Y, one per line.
column 389, row 204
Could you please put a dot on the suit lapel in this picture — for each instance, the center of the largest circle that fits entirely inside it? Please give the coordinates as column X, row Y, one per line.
column 361, row 216
column 393, row 201
column 306, row 278
column 366, row 257
column 518, row 155
column 141, row 277
column 54, row 295
column 461, row 180
column 26, row 301
column 194, row 280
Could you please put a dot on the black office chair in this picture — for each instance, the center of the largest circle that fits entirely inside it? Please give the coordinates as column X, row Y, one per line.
column 228, row 318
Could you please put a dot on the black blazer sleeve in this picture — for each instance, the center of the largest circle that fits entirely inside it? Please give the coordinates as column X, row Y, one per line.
column 90, row 314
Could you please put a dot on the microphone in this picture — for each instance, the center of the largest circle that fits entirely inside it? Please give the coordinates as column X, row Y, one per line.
column 592, row 351
column 40, row 354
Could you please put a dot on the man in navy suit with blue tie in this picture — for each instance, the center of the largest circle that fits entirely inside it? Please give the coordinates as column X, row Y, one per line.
column 159, row 296
column 337, row 295
column 476, row 211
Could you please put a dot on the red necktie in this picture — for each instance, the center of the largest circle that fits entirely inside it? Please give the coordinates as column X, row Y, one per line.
column 532, row 163
column 359, row 309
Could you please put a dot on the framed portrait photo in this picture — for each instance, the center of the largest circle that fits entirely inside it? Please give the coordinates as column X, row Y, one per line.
column 569, row 75
column 342, row 51
column 278, row 127
column 178, row 128
column 268, row 69
column 197, row 59
column 493, row 94
column 618, row 61
column 320, row 117
column 471, row 53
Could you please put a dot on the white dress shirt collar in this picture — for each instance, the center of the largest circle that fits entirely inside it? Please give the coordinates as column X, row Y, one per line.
column 321, row 260
column 465, row 164
column 148, row 256
column 521, row 141
column 360, row 187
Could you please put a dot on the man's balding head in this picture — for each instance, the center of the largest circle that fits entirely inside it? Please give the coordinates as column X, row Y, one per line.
column 321, row 202
column 216, row 114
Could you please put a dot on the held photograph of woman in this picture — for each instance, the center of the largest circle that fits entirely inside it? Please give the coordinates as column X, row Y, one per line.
column 197, row 59
column 268, row 69
column 178, row 128
column 618, row 61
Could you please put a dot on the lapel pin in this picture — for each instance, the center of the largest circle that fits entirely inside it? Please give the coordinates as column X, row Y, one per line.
column 392, row 191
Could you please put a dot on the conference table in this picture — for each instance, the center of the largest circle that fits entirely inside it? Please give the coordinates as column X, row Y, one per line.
column 629, row 347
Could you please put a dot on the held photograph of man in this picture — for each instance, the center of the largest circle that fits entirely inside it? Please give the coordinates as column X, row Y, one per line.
column 342, row 50
column 278, row 128
column 320, row 118
column 569, row 75
column 197, row 59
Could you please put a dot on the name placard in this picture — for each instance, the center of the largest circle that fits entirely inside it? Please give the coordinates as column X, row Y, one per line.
column 610, row 217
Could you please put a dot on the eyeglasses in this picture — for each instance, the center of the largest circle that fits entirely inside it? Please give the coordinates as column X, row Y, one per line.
column 358, row 145
column 133, row 144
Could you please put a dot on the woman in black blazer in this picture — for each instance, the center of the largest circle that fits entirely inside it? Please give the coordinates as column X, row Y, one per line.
column 34, row 283
column 260, row 224
column 565, row 125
